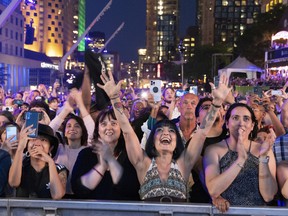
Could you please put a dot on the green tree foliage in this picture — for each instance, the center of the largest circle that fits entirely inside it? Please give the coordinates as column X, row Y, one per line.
column 201, row 62
column 257, row 38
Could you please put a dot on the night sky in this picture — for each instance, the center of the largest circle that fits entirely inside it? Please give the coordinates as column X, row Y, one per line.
column 132, row 12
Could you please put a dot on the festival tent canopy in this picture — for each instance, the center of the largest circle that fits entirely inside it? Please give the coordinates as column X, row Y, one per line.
column 241, row 66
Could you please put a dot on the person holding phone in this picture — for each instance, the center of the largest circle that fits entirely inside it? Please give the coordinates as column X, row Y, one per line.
column 37, row 175
column 9, row 137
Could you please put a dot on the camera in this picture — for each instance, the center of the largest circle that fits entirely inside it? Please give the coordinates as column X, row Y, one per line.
column 155, row 89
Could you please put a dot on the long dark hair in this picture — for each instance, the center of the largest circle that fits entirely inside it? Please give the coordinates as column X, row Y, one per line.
column 111, row 115
column 80, row 121
column 150, row 145
column 253, row 133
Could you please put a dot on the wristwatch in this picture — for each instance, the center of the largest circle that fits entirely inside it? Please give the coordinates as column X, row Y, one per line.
column 264, row 160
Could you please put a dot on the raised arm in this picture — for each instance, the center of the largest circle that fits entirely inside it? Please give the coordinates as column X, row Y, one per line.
column 134, row 151
column 15, row 172
column 196, row 143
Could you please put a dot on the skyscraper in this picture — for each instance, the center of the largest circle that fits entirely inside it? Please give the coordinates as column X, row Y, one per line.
column 162, row 23
column 57, row 25
column 224, row 21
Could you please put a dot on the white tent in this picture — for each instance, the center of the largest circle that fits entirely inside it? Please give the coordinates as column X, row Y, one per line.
column 241, row 67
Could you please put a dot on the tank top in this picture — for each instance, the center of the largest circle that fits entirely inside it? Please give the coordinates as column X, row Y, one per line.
column 244, row 190
column 173, row 187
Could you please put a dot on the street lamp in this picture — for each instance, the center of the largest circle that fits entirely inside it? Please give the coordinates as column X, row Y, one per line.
column 181, row 49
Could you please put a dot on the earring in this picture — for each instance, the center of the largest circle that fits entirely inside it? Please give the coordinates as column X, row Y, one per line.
column 27, row 154
column 228, row 133
column 50, row 154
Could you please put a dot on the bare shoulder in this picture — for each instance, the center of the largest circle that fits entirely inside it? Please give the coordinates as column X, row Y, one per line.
column 216, row 148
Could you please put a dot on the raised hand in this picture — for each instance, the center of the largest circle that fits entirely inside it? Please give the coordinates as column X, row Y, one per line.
column 23, row 137
column 221, row 92
column 110, row 87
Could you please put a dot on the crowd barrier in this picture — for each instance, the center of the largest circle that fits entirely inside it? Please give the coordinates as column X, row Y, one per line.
column 28, row 207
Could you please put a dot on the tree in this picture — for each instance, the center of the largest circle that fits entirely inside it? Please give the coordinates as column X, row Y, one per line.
column 201, row 62
column 257, row 38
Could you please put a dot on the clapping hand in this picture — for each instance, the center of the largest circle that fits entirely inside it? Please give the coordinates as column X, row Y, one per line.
column 268, row 143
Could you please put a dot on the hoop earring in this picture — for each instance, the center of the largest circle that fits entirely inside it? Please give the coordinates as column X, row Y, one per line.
column 50, row 154
column 27, row 154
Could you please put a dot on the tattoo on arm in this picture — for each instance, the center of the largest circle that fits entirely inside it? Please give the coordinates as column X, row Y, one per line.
column 119, row 107
column 63, row 178
column 209, row 118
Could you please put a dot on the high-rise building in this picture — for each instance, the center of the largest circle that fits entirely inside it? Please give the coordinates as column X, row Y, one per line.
column 96, row 40
column 57, row 25
column 206, row 21
column 224, row 21
column 162, row 23
column 267, row 5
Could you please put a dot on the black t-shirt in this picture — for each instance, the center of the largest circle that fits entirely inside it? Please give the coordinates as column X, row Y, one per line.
column 126, row 189
column 199, row 194
column 5, row 163
column 35, row 184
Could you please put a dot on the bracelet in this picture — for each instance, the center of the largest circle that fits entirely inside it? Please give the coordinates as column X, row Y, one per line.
column 115, row 97
column 98, row 172
column 240, row 165
column 216, row 106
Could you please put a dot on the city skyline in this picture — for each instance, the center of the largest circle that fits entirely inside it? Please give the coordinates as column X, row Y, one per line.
column 132, row 37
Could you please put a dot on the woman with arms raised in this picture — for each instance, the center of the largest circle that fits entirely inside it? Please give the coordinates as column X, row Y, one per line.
column 164, row 168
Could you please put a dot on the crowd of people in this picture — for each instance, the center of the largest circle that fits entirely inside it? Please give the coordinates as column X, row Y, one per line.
column 213, row 148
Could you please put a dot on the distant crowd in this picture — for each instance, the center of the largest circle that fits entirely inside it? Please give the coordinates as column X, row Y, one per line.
column 214, row 148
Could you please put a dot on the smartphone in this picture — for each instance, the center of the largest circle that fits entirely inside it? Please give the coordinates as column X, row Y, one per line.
column 155, row 89
column 11, row 130
column 276, row 92
column 193, row 90
column 8, row 108
column 32, row 118
column 258, row 90
column 180, row 92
